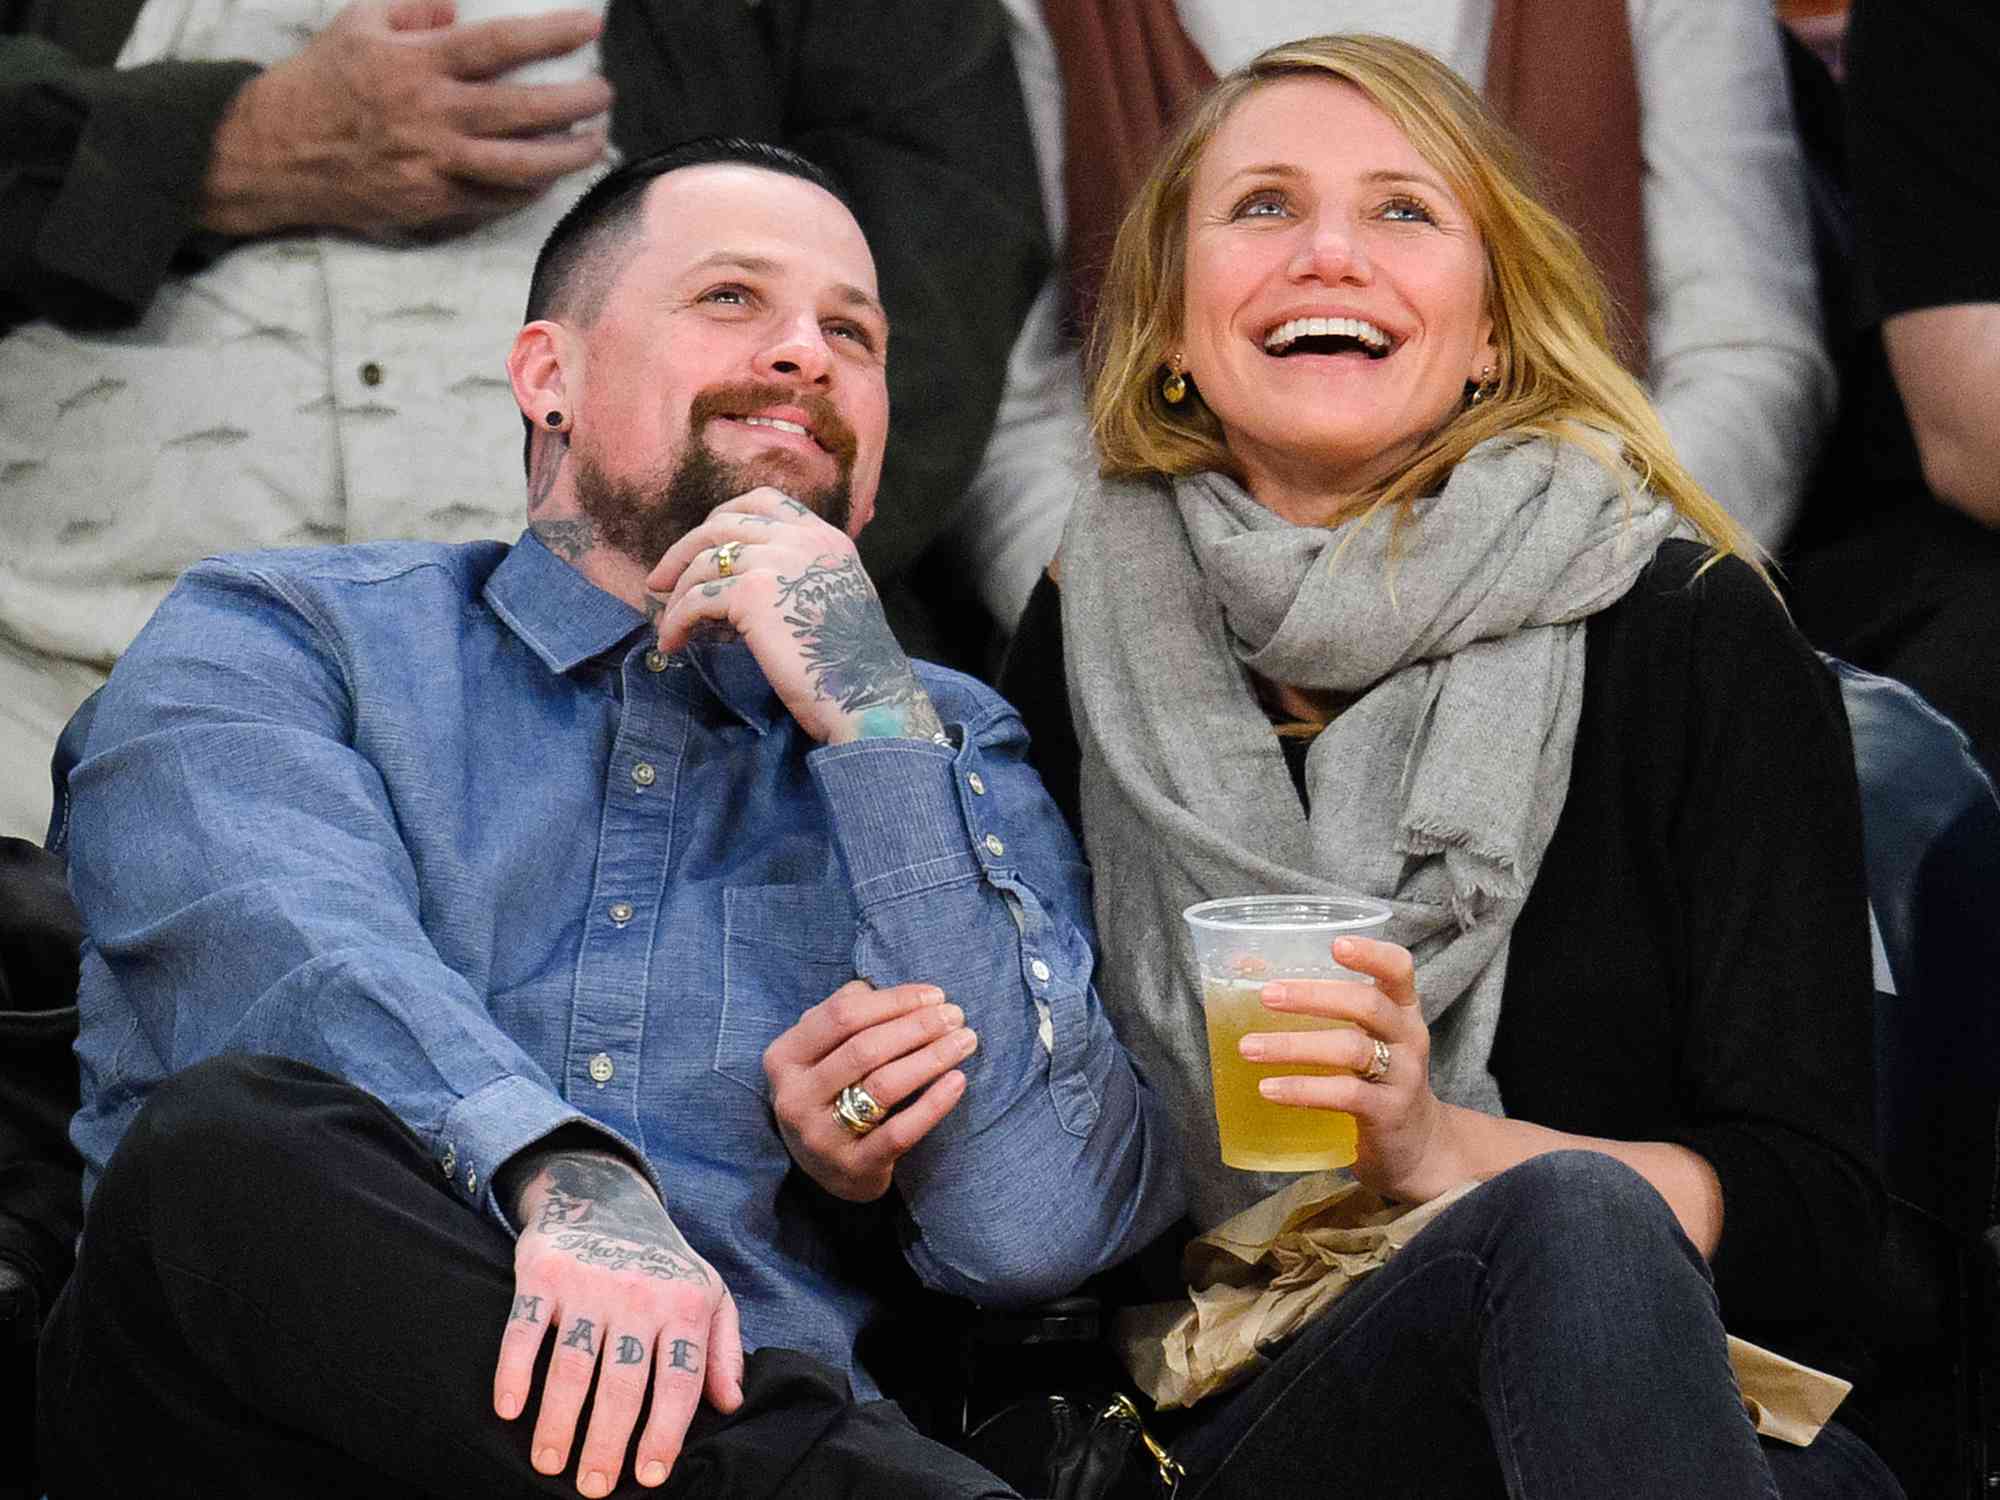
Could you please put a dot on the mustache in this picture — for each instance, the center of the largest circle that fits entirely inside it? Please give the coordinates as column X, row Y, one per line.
column 829, row 429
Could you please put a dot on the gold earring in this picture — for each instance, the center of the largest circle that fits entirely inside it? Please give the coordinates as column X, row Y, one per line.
column 1174, row 388
column 1488, row 384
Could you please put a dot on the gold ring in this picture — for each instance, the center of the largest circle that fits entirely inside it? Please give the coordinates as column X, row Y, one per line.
column 1378, row 1065
column 858, row 1110
column 725, row 558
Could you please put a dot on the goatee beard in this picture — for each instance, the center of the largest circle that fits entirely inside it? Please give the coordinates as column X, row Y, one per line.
column 642, row 518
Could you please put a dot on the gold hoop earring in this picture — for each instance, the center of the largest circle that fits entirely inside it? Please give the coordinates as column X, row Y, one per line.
column 1173, row 390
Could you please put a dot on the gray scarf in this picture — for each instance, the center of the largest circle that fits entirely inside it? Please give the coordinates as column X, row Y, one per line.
column 1437, row 791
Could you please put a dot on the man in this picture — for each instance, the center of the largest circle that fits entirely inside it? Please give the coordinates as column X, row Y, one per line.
column 255, row 258
column 518, row 869
column 1902, row 572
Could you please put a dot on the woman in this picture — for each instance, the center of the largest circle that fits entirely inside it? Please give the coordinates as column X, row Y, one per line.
column 1395, row 588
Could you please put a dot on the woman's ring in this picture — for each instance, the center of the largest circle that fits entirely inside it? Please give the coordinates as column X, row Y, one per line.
column 856, row 1108
column 1378, row 1065
column 725, row 558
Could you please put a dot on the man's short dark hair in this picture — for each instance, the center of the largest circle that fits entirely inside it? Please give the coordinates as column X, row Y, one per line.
column 591, row 243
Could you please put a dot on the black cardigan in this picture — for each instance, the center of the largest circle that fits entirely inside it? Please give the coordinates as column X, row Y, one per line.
column 1693, row 962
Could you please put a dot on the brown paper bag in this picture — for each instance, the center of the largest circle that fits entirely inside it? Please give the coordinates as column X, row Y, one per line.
column 1261, row 1276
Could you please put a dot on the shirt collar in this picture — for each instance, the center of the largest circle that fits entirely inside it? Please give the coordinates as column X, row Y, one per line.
column 566, row 620
column 560, row 615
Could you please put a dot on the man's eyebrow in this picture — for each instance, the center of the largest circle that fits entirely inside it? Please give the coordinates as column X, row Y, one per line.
column 760, row 265
column 854, row 296
column 756, row 264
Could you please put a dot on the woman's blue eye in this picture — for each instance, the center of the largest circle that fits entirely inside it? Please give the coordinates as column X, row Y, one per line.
column 1406, row 211
column 1260, row 206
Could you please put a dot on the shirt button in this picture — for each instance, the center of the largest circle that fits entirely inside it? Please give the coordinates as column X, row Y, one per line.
column 601, row 1069
column 1040, row 970
column 371, row 373
column 993, row 845
column 977, row 783
column 642, row 774
column 472, row 1179
column 449, row 1161
column 656, row 661
column 620, row 912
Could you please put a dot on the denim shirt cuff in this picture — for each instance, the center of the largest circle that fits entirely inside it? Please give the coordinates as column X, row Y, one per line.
column 487, row 1128
column 900, row 816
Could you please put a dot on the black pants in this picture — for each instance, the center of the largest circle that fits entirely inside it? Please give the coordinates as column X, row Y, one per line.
column 276, row 1297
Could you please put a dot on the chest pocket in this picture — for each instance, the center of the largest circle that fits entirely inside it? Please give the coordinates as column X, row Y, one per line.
column 785, row 948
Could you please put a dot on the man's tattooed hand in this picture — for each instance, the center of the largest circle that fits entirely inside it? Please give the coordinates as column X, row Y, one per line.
column 611, row 1297
column 851, row 656
column 601, row 1194
column 620, row 1255
column 602, row 1214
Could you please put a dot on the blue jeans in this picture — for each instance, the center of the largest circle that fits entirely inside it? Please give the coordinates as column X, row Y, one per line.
column 1553, row 1336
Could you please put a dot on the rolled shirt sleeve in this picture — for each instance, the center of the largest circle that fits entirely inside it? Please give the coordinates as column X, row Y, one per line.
column 1058, row 1160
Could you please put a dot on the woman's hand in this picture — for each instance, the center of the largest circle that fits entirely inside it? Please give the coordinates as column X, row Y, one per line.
column 1401, row 1126
column 1411, row 1145
column 902, row 1043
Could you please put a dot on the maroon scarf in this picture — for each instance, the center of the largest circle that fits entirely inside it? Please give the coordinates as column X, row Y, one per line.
column 1560, row 72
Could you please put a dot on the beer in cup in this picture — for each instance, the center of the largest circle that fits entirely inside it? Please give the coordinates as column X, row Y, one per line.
column 1241, row 944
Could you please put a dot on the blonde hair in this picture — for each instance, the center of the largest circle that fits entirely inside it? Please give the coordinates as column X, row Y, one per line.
column 1556, row 375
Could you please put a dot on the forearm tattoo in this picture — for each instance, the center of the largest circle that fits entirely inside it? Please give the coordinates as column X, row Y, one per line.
column 850, row 654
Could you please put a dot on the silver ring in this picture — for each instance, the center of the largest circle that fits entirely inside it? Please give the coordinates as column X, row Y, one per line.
column 1378, row 1065
column 858, row 1110
column 725, row 558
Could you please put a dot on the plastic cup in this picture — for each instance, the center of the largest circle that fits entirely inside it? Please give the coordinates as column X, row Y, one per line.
column 1241, row 943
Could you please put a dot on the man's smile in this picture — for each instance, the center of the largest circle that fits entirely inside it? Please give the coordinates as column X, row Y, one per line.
column 777, row 416
column 791, row 421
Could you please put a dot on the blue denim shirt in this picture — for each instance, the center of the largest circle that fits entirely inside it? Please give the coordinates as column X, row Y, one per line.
column 440, row 821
